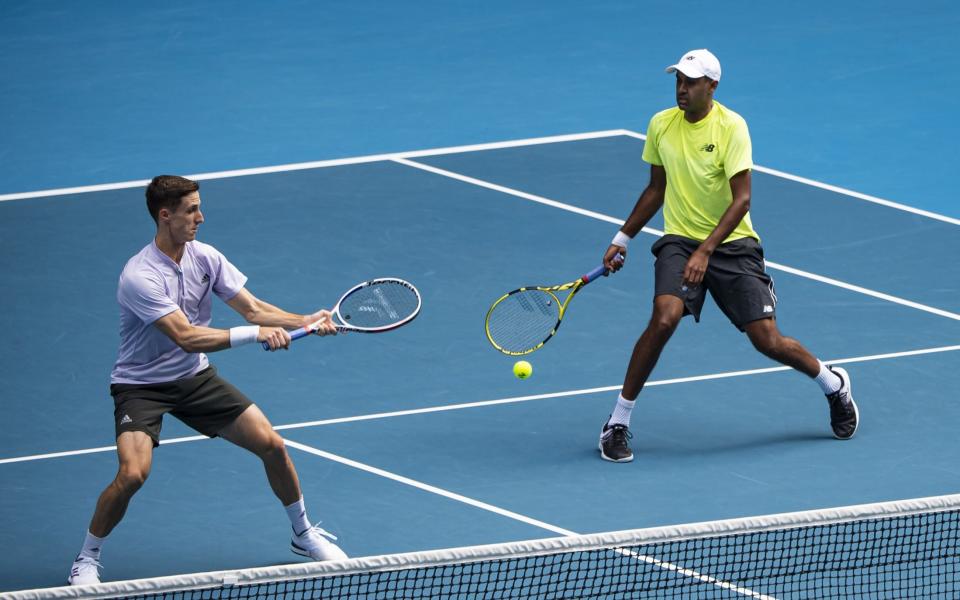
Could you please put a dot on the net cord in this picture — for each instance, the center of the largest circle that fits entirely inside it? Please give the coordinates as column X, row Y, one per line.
column 510, row 550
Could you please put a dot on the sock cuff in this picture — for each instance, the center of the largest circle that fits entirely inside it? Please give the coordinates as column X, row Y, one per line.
column 297, row 504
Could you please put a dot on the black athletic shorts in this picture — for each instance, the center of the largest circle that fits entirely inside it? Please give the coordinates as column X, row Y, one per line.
column 206, row 402
column 735, row 278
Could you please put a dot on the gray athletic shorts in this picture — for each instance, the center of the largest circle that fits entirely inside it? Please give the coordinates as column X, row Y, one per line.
column 735, row 278
column 206, row 402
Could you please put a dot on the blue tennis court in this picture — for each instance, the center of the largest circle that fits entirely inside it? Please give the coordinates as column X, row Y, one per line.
column 422, row 439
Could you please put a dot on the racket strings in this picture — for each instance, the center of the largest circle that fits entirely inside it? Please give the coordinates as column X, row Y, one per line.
column 378, row 305
column 522, row 320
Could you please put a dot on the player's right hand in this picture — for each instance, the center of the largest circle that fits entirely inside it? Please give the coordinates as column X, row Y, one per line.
column 614, row 258
column 275, row 337
column 323, row 319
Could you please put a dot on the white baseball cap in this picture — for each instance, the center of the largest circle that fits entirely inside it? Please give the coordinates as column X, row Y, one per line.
column 698, row 63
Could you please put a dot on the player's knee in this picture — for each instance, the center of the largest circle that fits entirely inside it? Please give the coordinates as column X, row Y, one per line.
column 663, row 324
column 766, row 342
column 131, row 478
column 273, row 447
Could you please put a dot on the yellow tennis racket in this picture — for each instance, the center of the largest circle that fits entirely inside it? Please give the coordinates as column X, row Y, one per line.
column 523, row 320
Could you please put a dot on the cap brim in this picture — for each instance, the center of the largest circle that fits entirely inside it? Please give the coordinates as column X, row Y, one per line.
column 687, row 70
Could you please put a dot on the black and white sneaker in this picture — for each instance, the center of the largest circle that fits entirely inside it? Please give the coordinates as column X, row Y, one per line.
column 844, row 416
column 85, row 571
column 615, row 443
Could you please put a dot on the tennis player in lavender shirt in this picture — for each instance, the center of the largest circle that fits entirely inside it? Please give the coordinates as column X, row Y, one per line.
column 165, row 296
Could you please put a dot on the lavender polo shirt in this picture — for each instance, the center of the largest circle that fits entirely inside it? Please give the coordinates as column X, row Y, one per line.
column 151, row 286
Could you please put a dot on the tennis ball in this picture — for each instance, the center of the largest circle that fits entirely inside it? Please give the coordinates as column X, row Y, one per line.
column 522, row 369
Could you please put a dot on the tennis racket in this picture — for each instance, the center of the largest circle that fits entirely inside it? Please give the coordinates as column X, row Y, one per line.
column 525, row 319
column 373, row 306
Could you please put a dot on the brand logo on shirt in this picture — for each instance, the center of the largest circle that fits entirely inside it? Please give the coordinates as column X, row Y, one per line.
column 707, row 147
column 205, row 278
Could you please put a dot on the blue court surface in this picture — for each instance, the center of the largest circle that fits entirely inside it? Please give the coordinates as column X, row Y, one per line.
column 470, row 149
column 422, row 438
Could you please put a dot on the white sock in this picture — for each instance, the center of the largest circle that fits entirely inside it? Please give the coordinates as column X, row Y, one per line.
column 828, row 381
column 91, row 546
column 297, row 513
column 621, row 413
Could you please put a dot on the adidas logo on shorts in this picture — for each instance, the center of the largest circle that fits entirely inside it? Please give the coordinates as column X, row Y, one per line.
column 126, row 419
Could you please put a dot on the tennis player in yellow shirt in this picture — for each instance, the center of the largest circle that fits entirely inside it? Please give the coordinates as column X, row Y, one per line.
column 700, row 161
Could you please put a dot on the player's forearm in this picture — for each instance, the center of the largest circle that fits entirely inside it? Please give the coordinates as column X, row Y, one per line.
column 647, row 205
column 204, row 339
column 268, row 315
column 728, row 222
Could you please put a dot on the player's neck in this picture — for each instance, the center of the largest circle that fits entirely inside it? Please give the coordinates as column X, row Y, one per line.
column 169, row 246
column 693, row 116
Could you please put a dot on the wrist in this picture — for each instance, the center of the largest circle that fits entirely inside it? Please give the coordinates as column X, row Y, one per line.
column 621, row 239
column 246, row 334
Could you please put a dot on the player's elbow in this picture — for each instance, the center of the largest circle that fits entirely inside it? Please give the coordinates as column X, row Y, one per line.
column 253, row 313
column 743, row 203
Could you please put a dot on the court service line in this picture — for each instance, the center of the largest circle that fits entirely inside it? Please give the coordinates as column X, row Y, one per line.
column 319, row 164
column 602, row 217
column 836, row 189
column 512, row 400
column 511, row 515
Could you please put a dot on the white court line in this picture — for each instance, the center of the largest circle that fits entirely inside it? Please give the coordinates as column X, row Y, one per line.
column 834, row 188
column 319, row 164
column 573, row 137
column 512, row 515
column 602, row 217
column 513, row 400
column 427, row 488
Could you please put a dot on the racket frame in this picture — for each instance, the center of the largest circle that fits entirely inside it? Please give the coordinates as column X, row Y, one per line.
column 342, row 326
column 574, row 287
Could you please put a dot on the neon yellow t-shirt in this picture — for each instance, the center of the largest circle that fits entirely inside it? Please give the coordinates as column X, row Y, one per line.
column 699, row 159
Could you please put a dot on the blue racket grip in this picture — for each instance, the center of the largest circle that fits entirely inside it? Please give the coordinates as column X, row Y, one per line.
column 599, row 271
column 296, row 334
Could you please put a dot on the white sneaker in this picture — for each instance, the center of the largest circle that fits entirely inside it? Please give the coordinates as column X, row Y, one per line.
column 85, row 571
column 312, row 543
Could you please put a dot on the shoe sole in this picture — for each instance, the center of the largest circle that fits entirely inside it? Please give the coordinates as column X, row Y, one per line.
column 856, row 411
column 298, row 550
column 604, row 456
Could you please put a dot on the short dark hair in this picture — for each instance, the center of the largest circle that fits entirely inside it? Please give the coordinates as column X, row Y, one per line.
column 166, row 191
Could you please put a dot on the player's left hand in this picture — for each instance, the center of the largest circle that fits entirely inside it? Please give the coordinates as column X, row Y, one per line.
column 326, row 322
column 696, row 267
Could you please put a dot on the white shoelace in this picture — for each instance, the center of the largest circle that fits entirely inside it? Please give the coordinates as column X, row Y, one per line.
column 316, row 527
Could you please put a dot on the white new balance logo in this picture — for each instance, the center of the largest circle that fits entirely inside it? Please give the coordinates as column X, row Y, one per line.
column 767, row 308
column 126, row 419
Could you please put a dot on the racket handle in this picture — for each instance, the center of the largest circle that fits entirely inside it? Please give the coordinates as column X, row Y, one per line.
column 598, row 272
column 296, row 334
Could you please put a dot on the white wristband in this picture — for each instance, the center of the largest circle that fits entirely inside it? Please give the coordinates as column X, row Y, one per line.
column 240, row 336
column 621, row 239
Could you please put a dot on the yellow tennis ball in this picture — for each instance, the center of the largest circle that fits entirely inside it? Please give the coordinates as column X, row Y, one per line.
column 522, row 369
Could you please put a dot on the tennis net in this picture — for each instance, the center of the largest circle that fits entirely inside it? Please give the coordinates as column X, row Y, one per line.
column 903, row 549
